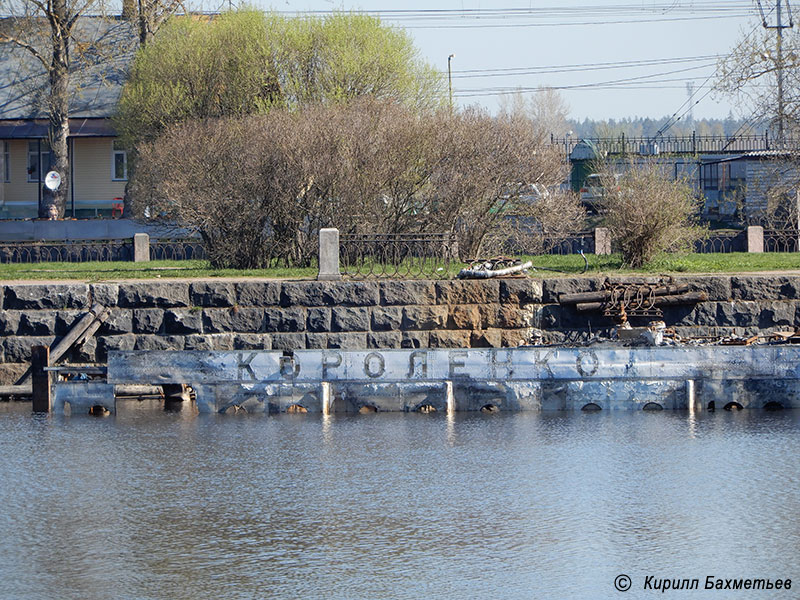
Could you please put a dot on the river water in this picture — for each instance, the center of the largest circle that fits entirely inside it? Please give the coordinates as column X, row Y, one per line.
column 148, row 504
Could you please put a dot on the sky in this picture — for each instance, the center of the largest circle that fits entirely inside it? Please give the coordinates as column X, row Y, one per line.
column 575, row 46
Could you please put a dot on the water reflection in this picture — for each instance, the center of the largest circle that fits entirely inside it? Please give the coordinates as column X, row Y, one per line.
column 148, row 504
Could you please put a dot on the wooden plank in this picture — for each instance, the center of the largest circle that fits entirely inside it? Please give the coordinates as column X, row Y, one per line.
column 16, row 390
column 78, row 330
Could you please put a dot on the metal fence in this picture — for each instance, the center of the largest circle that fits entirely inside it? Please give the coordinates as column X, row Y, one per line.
column 406, row 256
column 82, row 251
column 722, row 242
column 183, row 249
column 571, row 244
column 781, row 240
column 685, row 144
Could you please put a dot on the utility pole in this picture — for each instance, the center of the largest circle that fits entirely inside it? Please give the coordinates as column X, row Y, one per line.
column 450, row 80
column 778, row 27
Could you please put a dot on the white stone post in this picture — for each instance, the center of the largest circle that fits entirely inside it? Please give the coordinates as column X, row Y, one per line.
column 602, row 241
column 755, row 239
column 329, row 255
column 141, row 247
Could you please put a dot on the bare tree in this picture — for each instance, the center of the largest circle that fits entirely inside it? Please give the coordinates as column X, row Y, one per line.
column 648, row 212
column 259, row 188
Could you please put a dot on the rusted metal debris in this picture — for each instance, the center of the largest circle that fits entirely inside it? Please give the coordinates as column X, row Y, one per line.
column 623, row 300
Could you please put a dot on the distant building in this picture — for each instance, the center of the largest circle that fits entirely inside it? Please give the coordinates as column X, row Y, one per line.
column 98, row 163
column 733, row 176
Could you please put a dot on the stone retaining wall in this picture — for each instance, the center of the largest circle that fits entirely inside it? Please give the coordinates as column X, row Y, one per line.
column 292, row 315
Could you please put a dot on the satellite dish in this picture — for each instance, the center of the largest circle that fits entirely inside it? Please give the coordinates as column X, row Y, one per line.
column 52, row 180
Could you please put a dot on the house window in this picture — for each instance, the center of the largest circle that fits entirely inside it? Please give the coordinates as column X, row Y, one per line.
column 6, row 160
column 119, row 162
column 38, row 156
column 710, row 176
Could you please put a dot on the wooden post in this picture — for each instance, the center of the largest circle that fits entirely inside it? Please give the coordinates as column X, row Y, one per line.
column 41, row 380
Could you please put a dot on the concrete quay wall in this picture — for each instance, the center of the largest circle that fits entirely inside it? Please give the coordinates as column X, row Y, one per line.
column 220, row 315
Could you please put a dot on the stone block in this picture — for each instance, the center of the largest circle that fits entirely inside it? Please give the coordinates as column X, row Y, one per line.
column 449, row 339
column 473, row 291
column 330, row 293
column 388, row 340
column 488, row 338
column 511, row 338
column 17, row 349
column 465, row 317
column 288, row 341
column 106, row 294
column 258, row 293
column 65, row 320
column 415, row 339
column 424, row 317
column 41, row 323
column 765, row 287
column 118, row 322
column 347, row 341
column 285, row 320
column 549, row 316
column 159, row 342
column 387, row 318
column 197, row 342
column 252, row 341
column 350, row 319
column 511, row 317
column 212, row 294
column 235, row 319
column 316, row 341
column 10, row 373
column 85, row 352
column 520, row 291
column 402, row 293
column 221, row 341
column 489, row 315
column 107, row 343
column 717, row 287
column 154, row 294
column 738, row 314
column 9, row 322
column 318, row 320
column 147, row 320
column 40, row 296
column 179, row 321
column 555, row 287
column 777, row 313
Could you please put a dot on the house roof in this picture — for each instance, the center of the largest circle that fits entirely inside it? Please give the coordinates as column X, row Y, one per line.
column 101, row 51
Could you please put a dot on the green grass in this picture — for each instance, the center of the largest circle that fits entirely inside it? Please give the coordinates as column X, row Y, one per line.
column 105, row 271
column 672, row 263
column 545, row 265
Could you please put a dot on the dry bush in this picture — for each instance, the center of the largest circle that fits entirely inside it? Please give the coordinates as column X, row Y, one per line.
column 259, row 188
column 650, row 213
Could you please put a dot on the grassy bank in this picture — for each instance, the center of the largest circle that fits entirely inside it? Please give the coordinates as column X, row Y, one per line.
column 546, row 266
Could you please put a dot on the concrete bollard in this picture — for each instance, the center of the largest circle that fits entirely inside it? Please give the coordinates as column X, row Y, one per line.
column 602, row 241
column 141, row 247
column 755, row 239
column 329, row 255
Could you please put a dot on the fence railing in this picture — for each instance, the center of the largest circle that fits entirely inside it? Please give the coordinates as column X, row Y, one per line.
column 185, row 249
column 722, row 242
column 781, row 240
column 685, row 144
column 82, row 251
column 581, row 241
column 407, row 256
